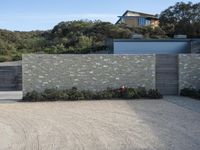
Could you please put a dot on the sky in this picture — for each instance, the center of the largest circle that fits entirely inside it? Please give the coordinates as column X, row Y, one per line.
column 27, row 15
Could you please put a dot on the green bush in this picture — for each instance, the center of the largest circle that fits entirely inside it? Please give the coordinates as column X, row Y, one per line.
column 75, row 94
column 142, row 92
column 5, row 58
column 154, row 94
column 32, row 96
column 52, row 94
column 131, row 93
column 16, row 57
column 105, row 94
column 88, row 95
column 190, row 92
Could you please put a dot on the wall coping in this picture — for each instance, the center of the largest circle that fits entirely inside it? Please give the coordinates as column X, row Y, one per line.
column 14, row 63
column 155, row 40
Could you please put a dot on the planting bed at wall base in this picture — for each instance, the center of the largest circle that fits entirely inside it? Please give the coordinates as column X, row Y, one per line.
column 191, row 92
column 75, row 94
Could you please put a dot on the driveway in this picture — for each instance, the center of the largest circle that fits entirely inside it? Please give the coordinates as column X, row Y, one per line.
column 168, row 124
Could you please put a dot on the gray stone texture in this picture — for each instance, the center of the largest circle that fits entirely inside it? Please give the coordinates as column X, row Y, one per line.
column 189, row 71
column 87, row 72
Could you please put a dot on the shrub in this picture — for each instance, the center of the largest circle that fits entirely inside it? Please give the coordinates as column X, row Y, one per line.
column 75, row 94
column 106, row 94
column 131, row 93
column 32, row 96
column 5, row 58
column 142, row 92
column 17, row 57
column 154, row 94
column 190, row 92
column 88, row 95
column 198, row 94
column 53, row 94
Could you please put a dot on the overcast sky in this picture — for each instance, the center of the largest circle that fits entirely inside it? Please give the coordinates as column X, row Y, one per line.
column 26, row 15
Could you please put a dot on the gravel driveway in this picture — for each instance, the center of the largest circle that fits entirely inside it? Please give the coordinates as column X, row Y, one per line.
column 100, row 125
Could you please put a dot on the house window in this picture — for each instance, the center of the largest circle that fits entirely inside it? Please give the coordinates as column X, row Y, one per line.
column 148, row 22
column 122, row 20
column 142, row 21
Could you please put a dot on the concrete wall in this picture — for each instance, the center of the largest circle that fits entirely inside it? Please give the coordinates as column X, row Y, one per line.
column 189, row 71
column 92, row 72
column 151, row 46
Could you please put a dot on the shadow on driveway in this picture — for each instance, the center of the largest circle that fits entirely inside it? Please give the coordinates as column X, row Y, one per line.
column 185, row 102
column 175, row 121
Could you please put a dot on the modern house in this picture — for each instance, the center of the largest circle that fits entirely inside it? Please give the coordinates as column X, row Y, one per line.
column 133, row 18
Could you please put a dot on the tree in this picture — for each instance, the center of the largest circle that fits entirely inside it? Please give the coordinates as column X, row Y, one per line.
column 182, row 18
column 66, row 37
column 148, row 31
column 83, row 36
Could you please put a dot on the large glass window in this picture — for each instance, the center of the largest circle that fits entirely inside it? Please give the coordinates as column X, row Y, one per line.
column 142, row 21
column 148, row 22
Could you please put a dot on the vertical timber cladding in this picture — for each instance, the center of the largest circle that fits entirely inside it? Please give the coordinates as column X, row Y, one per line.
column 167, row 74
column 87, row 72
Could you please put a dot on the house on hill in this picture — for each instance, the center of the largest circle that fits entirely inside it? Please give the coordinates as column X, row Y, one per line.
column 133, row 18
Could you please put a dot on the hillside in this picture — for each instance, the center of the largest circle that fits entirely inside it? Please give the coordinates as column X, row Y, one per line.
column 66, row 37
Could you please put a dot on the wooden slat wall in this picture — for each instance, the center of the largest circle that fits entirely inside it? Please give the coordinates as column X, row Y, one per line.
column 167, row 74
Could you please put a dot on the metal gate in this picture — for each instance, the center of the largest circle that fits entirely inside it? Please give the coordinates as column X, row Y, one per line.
column 167, row 74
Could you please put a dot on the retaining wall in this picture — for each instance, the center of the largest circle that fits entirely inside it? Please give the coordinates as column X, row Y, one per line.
column 88, row 72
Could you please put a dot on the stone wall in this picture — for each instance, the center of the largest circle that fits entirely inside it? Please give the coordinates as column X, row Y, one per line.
column 92, row 72
column 189, row 71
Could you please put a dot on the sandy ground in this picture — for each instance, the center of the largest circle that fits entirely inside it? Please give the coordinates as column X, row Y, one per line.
column 168, row 124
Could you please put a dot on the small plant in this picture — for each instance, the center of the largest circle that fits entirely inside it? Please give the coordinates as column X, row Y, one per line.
column 32, row 97
column 154, row 94
column 88, row 95
column 142, row 92
column 74, row 94
column 16, row 57
column 190, row 92
column 131, row 93
column 54, row 94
